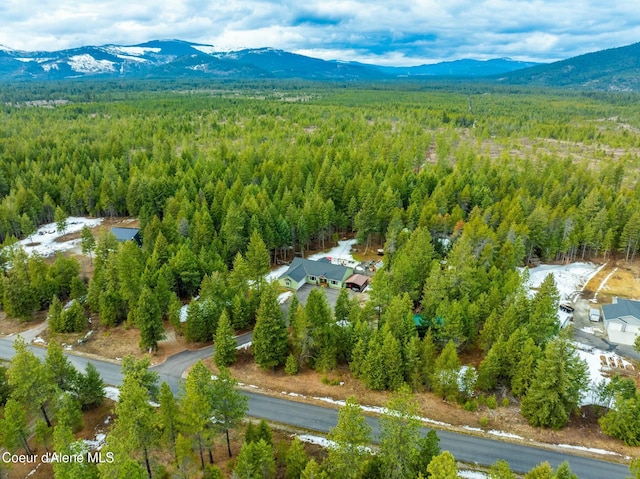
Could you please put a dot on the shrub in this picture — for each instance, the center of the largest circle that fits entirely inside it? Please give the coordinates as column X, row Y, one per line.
column 471, row 405
column 492, row 402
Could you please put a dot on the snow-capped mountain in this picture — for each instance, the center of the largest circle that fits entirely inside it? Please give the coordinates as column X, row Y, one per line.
column 176, row 58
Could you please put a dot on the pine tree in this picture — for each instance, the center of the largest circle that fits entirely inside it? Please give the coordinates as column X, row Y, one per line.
column 90, row 387
column 13, row 425
column 54, row 317
column 58, row 368
column 255, row 461
column 169, row 413
column 68, row 411
column 225, row 350
column 149, row 320
column 541, row 471
column 564, row 472
column 446, row 372
column 29, row 380
column 443, row 466
column 313, row 471
column 545, row 311
column 270, row 337
column 555, row 392
column 229, row 405
column 295, row 459
column 501, row 470
column 399, row 436
column 196, row 406
column 392, row 361
column 428, row 448
column 87, row 242
column 257, row 257
column 351, row 437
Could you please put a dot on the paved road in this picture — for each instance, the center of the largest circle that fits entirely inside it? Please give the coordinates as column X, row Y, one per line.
column 466, row 448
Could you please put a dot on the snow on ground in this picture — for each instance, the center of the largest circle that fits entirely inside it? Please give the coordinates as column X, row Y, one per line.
column 570, row 278
column 112, row 393
column 504, row 434
column 96, row 443
column 318, row 440
column 43, row 241
column 588, row 449
column 465, row 474
column 244, row 346
column 284, row 297
column 342, row 251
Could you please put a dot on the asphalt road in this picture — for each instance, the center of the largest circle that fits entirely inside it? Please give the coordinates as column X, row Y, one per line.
column 466, row 448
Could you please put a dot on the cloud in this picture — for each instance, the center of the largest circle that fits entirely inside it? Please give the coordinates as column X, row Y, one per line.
column 404, row 32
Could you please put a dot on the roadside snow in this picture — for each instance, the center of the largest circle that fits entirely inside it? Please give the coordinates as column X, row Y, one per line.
column 570, row 278
column 588, row 449
column 465, row 474
column 504, row 434
column 244, row 346
column 43, row 241
column 318, row 440
column 604, row 282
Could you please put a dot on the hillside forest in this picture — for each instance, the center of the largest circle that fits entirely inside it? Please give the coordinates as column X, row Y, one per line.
column 460, row 184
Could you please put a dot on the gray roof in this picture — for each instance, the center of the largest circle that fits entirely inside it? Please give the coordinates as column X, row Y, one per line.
column 300, row 268
column 625, row 310
column 125, row 234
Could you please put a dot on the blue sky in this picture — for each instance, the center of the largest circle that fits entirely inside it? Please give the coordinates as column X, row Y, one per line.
column 390, row 32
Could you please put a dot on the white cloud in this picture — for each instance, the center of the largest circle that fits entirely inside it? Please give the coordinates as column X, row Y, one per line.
column 406, row 32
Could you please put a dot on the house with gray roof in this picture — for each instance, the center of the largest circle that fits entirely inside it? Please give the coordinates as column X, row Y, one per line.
column 127, row 234
column 622, row 320
column 322, row 272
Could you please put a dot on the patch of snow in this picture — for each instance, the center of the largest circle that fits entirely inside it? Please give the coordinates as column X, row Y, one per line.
column 50, row 66
column 43, row 241
column 244, row 346
column 588, row 449
column 96, row 443
column 112, row 393
column 590, row 330
column 318, row 440
column 466, row 474
column 209, row 49
column 132, row 59
column 284, row 297
column 184, row 313
column 68, row 347
column 135, row 51
column 25, row 60
column 569, row 278
column 504, row 434
column 108, row 420
column 474, row 429
column 38, row 340
column 85, row 63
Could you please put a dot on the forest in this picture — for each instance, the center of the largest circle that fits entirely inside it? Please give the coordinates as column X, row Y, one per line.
column 459, row 184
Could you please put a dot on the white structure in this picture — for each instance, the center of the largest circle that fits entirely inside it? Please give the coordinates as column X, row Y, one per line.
column 622, row 320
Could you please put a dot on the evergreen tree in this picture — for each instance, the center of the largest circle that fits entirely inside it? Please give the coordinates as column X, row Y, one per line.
column 443, row 466
column 295, row 459
column 257, row 257
column 149, row 320
column 622, row 421
column 225, row 343
column 270, row 337
column 313, row 471
column 68, row 411
column 139, row 370
column 446, row 372
column 229, row 405
column 255, row 461
column 501, row 470
column 545, row 311
column 399, row 436
column 564, row 472
column 428, row 448
column 541, row 471
column 90, row 387
column 15, row 433
column 87, row 242
column 58, row 368
column 169, row 412
column 555, row 392
column 351, row 438
column 65, row 445
column 392, row 361
column 29, row 380
column 54, row 317
column 197, row 408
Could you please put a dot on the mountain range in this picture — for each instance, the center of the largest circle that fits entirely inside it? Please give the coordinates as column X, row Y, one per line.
column 610, row 69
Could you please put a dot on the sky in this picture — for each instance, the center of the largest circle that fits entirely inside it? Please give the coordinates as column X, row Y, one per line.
column 382, row 32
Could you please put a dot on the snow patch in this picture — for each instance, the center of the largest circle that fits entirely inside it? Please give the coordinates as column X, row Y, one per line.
column 589, row 449
column 318, row 440
column 96, row 443
column 570, row 278
column 135, row 51
column 43, row 241
column 38, row 340
column 284, row 297
column 504, row 434
column 466, row 474
column 112, row 393
column 244, row 346
column 85, row 63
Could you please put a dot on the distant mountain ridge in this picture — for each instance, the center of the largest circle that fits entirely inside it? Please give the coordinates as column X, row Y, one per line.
column 177, row 58
column 616, row 69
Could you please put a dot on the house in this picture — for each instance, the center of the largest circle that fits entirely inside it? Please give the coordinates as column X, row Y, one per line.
column 622, row 320
column 127, row 234
column 322, row 272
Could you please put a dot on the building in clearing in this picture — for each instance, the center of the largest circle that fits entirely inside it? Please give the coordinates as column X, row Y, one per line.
column 127, row 234
column 622, row 320
column 321, row 272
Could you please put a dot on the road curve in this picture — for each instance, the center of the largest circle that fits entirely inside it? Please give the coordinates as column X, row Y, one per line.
column 466, row 448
